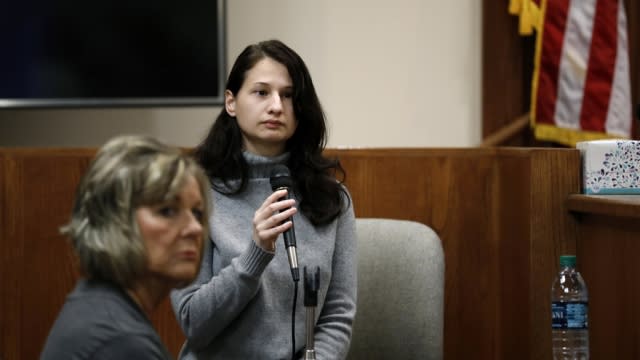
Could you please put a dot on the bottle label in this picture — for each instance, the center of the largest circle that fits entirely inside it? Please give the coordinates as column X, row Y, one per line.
column 569, row 315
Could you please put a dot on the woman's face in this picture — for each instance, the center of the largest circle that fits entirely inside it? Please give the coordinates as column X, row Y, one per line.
column 263, row 108
column 173, row 235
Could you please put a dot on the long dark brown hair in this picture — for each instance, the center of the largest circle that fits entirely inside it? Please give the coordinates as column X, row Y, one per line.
column 316, row 177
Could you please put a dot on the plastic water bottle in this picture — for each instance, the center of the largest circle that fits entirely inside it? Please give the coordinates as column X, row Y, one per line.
column 569, row 313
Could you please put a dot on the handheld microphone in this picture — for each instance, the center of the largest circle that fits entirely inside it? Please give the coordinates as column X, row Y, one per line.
column 281, row 179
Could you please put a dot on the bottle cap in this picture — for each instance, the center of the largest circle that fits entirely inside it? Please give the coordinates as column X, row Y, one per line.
column 568, row 260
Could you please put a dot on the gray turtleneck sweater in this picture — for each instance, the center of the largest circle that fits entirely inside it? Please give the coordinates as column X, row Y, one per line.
column 240, row 305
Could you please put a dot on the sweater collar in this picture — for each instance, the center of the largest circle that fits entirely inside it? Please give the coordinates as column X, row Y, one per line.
column 260, row 166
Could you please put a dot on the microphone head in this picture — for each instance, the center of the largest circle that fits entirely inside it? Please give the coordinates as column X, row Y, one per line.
column 280, row 177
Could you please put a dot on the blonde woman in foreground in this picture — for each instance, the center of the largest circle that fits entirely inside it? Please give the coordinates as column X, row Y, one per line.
column 138, row 223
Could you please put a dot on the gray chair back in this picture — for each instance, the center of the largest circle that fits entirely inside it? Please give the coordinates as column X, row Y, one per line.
column 400, row 291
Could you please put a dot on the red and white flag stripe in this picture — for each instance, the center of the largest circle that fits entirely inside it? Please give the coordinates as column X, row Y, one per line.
column 581, row 87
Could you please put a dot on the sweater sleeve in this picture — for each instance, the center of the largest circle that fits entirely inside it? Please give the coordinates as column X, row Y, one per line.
column 205, row 308
column 333, row 328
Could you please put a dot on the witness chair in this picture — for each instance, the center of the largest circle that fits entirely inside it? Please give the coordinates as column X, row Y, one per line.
column 400, row 291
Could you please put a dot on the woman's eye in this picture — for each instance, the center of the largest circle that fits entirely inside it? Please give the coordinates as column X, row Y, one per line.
column 167, row 211
column 198, row 214
column 287, row 95
column 261, row 92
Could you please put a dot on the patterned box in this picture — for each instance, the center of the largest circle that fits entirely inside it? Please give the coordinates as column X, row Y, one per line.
column 610, row 166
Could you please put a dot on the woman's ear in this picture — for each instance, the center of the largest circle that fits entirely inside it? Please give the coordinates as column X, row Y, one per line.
column 230, row 102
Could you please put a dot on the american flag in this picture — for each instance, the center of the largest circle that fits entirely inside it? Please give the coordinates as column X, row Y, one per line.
column 581, row 84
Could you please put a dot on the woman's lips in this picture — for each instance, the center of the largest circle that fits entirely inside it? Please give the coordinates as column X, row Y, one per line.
column 188, row 255
column 272, row 124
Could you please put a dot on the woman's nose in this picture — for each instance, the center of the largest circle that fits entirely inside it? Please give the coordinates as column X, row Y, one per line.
column 193, row 226
column 276, row 103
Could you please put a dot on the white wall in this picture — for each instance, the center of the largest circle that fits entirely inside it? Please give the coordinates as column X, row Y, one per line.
column 403, row 74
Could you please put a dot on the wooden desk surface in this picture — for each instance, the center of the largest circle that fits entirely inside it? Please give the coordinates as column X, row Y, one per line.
column 612, row 205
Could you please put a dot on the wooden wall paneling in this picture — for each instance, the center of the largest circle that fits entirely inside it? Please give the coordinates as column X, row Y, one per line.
column 499, row 213
column 506, row 70
column 494, row 209
column 608, row 251
column 531, row 223
column 510, row 215
column 633, row 17
column 165, row 322
column 10, row 256
column 555, row 174
column 441, row 188
column 48, row 187
column 467, row 226
column 38, row 193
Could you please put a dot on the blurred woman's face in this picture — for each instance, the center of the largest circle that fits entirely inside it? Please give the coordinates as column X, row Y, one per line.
column 263, row 108
column 173, row 236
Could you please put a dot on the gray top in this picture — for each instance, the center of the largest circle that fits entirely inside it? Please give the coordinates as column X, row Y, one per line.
column 100, row 321
column 240, row 305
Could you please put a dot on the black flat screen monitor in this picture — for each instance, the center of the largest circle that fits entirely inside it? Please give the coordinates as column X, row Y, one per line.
column 101, row 53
